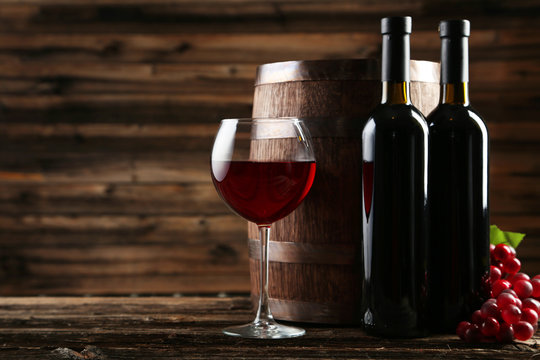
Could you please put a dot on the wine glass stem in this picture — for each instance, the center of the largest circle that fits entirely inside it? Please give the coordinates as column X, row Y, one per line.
column 263, row 312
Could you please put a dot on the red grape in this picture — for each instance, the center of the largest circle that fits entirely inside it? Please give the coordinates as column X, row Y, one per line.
column 518, row 276
column 511, row 314
column 502, row 252
column 461, row 328
column 512, row 251
column 530, row 316
column 491, row 256
column 490, row 309
column 509, row 291
column 494, row 273
column 476, row 318
column 490, row 327
column 499, row 286
column 531, row 303
column 499, row 265
column 473, row 333
column 523, row 330
column 536, row 287
column 519, row 304
column 536, row 276
column 505, row 299
column 524, row 288
column 511, row 266
column 506, row 333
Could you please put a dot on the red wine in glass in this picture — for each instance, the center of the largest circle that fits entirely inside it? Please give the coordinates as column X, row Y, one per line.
column 264, row 192
column 263, row 169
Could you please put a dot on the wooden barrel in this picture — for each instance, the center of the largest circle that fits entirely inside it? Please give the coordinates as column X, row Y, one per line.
column 315, row 253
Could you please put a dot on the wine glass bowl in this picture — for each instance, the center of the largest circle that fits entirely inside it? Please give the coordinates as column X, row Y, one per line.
column 263, row 169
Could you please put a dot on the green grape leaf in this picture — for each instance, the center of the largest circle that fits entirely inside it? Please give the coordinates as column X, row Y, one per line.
column 497, row 236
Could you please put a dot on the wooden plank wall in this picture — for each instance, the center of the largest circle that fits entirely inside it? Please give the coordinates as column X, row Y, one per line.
column 108, row 109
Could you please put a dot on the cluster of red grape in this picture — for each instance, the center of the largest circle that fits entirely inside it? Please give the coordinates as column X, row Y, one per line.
column 513, row 309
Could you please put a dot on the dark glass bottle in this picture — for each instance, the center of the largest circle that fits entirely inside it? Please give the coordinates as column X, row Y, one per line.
column 394, row 146
column 458, row 190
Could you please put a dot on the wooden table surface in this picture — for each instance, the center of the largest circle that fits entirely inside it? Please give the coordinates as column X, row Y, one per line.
column 190, row 327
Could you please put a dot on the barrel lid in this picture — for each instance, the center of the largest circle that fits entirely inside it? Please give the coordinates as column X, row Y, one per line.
column 341, row 69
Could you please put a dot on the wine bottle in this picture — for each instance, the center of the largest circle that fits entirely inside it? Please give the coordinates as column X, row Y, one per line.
column 458, row 190
column 395, row 160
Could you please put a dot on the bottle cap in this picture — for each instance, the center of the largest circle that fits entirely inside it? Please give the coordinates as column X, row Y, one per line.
column 396, row 25
column 454, row 28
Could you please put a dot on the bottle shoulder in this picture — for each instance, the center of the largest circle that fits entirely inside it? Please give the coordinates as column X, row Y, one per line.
column 455, row 117
column 397, row 116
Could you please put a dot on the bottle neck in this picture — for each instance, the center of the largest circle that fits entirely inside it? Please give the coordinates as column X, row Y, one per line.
column 455, row 70
column 455, row 93
column 395, row 68
column 394, row 92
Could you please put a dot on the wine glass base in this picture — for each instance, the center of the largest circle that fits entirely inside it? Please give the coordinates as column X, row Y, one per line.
column 264, row 330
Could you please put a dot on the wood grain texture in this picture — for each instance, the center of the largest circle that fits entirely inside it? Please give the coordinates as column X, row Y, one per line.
column 108, row 109
column 63, row 328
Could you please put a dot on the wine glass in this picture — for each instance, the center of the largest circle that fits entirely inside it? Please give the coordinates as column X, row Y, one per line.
column 263, row 169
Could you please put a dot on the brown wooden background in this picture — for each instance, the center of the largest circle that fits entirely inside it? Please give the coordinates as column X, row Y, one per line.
column 108, row 109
